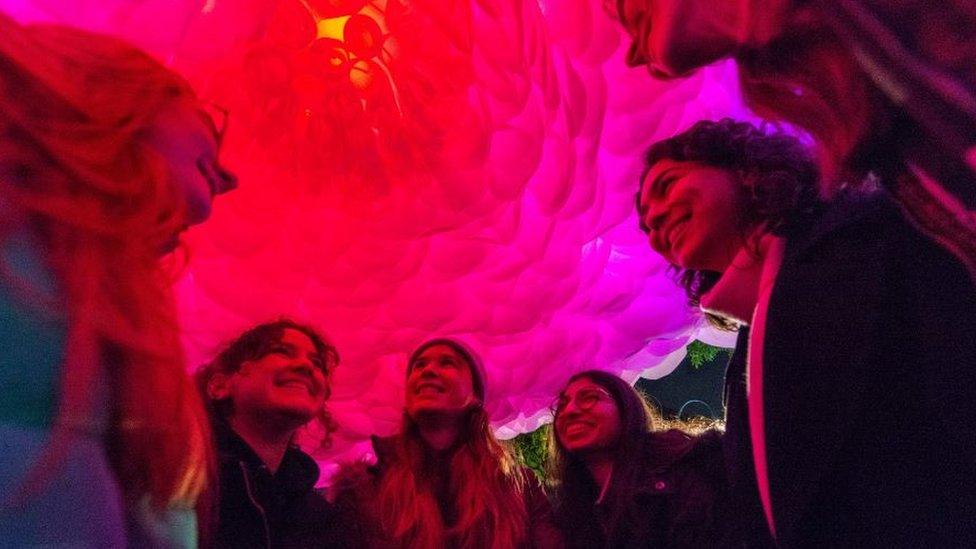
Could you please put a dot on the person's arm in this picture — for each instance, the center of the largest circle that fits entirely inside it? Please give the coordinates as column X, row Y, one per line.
column 349, row 517
column 543, row 533
column 702, row 515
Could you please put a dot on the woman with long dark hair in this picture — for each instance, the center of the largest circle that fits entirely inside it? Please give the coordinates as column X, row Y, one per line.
column 445, row 480
column 105, row 156
column 845, row 312
column 620, row 483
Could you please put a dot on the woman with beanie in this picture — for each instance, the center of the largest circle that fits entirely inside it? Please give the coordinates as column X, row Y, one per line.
column 444, row 480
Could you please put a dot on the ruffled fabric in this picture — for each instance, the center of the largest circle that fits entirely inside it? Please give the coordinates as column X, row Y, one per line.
column 459, row 168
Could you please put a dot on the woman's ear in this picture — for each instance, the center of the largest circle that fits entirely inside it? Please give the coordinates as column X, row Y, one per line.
column 473, row 402
column 218, row 386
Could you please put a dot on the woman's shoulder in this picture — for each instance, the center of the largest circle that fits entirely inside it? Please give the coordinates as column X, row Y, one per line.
column 357, row 479
column 676, row 449
column 673, row 444
column 850, row 207
column 351, row 477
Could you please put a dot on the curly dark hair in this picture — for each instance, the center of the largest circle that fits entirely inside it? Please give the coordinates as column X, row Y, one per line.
column 779, row 174
column 253, row 344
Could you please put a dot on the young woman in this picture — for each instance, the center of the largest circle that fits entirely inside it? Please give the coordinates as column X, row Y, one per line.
column 856, row 347
column 444, row 481
column 260, row 390
column 105, row 156
column 883, row 87
column 620, row 483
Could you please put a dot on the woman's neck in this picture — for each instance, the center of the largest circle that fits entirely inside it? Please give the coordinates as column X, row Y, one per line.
column 601, row 469
column 736, row 292
column 269, row 442
column 439, row 433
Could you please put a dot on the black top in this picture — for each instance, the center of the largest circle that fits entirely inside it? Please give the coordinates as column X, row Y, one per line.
column 868, row 384
column 680, row 500
column 259, row 509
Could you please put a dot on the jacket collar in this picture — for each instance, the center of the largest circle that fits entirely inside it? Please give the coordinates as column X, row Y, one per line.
column 846, row 209
column 736, row 294
column 298, row 472
column 664, row 450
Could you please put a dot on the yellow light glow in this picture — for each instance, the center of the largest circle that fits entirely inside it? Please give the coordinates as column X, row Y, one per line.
column 360, row 75
column 331, row 28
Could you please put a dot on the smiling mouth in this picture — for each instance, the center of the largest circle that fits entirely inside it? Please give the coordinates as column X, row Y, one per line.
column 576, row 428
column 296, row 384
column 428, row 389
column 675, row 227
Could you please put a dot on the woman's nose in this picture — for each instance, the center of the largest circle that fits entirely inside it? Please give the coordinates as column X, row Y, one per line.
column 635, row 57
column 228, row 180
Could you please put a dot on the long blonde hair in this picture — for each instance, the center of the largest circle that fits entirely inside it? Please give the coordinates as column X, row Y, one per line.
column 484, row 482
column 75, row 170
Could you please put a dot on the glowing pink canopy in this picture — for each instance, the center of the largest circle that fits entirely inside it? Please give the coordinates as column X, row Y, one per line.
column 422, row 168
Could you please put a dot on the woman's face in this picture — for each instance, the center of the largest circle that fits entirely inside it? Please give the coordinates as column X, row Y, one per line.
column 186, row 139
column 692, row 214
column 439, row 382
column 290, row 381
column 674, row 37
column 586, row 417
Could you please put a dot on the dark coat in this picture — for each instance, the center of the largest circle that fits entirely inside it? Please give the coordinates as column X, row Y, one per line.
column 869, row 379
column 748, row 519
column 355, row 493
column 260, row 509
column 680, row 500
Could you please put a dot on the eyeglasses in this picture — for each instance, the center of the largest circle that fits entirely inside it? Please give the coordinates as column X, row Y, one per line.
column 221, row 179
column 585, row 399
column 217, row 117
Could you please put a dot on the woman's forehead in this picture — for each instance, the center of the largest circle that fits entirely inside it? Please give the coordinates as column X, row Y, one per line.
column 439, row 350
column 295, row 337
column 580, row 384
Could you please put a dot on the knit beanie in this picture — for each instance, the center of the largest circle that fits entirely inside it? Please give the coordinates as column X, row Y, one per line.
column 469, row 356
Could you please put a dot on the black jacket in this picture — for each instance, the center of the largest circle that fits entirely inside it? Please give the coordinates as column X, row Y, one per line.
column 261, row 510
column 868, row 381
column 680, row 500
column 747, row 518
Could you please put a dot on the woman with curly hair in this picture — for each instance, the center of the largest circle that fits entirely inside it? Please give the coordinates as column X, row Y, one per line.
column 444, row 481
column 105, row 156
column 620, row 483
column 263, row 387
column 846, row 312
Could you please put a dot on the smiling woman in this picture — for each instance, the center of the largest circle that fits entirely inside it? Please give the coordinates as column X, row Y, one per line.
column 619, row 483
column 823, row 292
column 265, row 385
column 692, row 213
column 443, row 378
column 444, row 481
column 714, row 188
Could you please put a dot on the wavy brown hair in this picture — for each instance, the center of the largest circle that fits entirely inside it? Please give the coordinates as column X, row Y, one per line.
column 777, row 172
column 484, row 481
column 255, row 343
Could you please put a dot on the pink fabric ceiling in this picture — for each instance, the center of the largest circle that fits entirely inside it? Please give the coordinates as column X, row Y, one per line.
column 440, row 168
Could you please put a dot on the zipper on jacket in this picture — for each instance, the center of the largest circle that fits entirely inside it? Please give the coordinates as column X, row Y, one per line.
column 250, row 496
